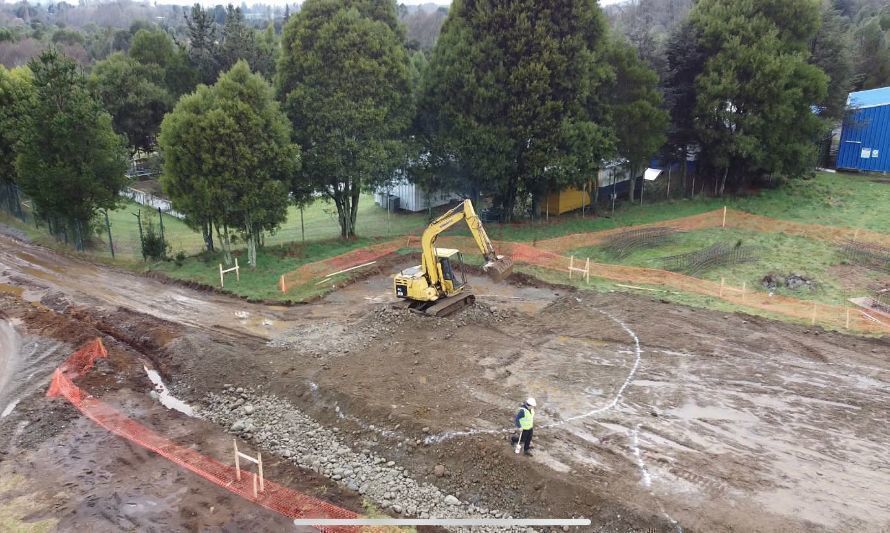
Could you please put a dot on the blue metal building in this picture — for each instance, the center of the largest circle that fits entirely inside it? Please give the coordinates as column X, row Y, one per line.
column 865, row 138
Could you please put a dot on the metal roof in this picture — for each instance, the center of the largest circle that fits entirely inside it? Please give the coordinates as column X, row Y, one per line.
column 870, row 98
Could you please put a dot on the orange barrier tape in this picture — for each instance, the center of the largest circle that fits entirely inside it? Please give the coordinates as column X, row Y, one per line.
column 276, row 497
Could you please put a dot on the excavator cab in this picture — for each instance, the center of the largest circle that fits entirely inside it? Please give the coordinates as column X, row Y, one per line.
column 449, row 258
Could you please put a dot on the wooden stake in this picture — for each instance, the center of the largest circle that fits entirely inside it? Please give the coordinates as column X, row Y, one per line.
column 571, row 265
column 222, row 282
column 587, row 271
column 237, row 462
column 281, row 284
column 848, row 318
column 722, row 281
column 744, row 289
column 724, row 216
column 237, row 271
column 813, row 321
column 254, row 486
column 259, row 457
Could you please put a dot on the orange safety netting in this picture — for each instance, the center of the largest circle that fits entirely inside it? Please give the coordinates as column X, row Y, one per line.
column 275, row 497
column 310, row 271
column 714, row 219
column 836, row 316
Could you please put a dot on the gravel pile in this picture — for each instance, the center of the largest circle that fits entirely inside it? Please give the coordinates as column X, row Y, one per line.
column 276, row 426
column 331, row 338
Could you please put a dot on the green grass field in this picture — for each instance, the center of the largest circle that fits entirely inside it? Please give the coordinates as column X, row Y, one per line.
column 777, row 254
column 319, row 221
column 853, row 201
column 261, row 283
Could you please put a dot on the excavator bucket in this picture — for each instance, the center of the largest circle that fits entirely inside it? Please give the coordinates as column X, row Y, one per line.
column 499, row 269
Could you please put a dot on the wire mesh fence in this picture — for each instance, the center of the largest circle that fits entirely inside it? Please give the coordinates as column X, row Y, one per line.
column 716, row 255
column 622, row 244
column 868, row 255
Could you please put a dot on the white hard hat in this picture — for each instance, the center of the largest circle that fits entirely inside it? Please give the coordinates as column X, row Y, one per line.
column 532, row 402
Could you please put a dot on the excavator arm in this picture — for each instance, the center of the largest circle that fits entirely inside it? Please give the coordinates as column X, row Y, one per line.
column 498, row 267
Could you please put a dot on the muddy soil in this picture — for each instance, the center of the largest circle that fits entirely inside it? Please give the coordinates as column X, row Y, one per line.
column 652, row 415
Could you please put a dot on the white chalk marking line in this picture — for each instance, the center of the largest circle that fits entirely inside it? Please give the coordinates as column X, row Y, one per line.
column 435, row 439
column 646, row 477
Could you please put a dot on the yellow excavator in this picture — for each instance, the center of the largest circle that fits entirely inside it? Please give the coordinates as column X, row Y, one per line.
column 435, row 287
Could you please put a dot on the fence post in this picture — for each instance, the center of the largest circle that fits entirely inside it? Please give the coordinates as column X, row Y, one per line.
column 724, row 216
column 222, row 282
column 108, row 227
column 161, row 218
column 237, row 271
column 138, row 215
column 237, row 462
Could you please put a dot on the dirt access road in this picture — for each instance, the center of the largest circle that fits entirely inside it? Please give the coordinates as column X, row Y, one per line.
column 653, row 414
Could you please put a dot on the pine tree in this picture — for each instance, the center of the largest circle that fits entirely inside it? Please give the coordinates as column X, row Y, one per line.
column 516, row 88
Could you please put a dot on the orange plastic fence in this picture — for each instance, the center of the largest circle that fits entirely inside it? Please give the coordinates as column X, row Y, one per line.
column 308, row 272
column 275, row 497
column 836, row 316
column 714, row 219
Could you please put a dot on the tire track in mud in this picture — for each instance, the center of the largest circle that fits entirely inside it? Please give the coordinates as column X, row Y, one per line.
column 637, row 352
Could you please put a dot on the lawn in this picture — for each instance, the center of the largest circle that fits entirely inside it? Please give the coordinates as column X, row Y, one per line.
column 319, row 221
column 261, row 283
column 777, row 253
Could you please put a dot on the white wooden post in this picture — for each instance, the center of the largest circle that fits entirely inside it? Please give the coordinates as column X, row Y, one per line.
column 259, row 457
column 237, row 463
column 222, row 282
column 237, row 271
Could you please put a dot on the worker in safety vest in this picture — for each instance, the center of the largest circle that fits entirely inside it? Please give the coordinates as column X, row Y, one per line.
column 525, row 420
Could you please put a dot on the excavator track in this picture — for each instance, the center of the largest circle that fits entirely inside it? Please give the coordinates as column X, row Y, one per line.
column 443, row 306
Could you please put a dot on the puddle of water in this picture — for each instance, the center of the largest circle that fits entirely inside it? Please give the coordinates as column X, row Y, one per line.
column 8, row 411
column 168, row 400
column 693, row 411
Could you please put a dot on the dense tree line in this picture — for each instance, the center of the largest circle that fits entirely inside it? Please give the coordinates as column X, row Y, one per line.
column 510, row 101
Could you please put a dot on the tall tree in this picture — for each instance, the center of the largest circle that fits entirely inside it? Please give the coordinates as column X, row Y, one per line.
column 16, row 98
column 229, row 158
column 832, row 51
column 343, row 75
column 516, row 85
column 156, row 48
column 636, row 108
column 685, row 59
column 239, row 42
column 203, row 48
column 755, row 96
column 70, row 162
column 135, row 96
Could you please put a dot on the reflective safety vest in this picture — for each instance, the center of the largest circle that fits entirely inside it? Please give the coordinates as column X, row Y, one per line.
column 528, row 418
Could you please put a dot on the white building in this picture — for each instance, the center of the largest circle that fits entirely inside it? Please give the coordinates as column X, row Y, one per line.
column 411, row 197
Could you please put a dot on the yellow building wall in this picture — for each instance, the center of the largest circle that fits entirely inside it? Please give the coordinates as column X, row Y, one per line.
column 568, row 199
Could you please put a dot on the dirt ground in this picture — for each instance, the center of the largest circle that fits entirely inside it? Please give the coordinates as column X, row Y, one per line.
column 652, row 415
